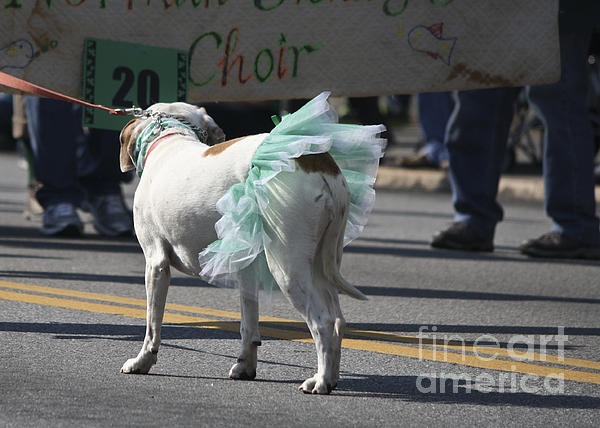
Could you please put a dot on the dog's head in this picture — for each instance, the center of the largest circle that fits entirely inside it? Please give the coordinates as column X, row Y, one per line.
column 186, row 113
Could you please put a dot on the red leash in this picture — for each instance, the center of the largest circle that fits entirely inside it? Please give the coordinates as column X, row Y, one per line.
column 30, row 88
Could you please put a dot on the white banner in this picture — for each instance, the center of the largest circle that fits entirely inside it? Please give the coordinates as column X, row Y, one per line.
column 278, row 49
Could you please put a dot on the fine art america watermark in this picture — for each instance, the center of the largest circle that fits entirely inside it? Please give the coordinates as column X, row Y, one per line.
column 453, row 348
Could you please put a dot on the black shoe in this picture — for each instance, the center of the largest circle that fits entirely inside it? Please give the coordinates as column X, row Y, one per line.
column 460, row 236
column 557, row 245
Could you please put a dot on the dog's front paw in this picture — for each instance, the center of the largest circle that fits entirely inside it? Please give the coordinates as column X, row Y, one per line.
column 241, row 371
column 316, row 385
column 139, row 365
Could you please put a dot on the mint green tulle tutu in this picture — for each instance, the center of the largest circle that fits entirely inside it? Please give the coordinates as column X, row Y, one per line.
column 312, row 129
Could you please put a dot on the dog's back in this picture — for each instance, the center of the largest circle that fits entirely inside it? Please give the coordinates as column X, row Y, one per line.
column 175, row 201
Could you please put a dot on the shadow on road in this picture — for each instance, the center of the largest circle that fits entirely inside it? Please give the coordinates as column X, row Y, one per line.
column 454, row 390
column 442, row 388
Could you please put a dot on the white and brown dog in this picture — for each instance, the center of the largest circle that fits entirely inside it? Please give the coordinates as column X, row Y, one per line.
column 175, row 214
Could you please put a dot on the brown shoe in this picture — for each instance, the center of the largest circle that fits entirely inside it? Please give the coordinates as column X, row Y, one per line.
column 418, row 161
column 557, row 245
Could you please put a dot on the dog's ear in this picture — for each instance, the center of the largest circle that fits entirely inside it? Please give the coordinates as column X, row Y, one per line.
column 214, row 133
column 127, row 141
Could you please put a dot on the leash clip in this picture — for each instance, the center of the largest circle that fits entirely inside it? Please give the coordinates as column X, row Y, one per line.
column 133, row 111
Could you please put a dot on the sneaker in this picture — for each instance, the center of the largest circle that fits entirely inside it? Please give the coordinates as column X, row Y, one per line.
column 61, row 220
column 460, row 236
column 111, row 216
column 557, row 245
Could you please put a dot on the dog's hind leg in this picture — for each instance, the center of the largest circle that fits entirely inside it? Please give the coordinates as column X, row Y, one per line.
column 245, row 367
column 322, row 325
column 158, row 276
column 301, row 210
column 292, row 268
column 329, row 281
column 337, row 336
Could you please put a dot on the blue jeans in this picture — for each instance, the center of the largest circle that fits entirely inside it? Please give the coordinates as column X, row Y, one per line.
column 434, row 111
column 69, row 162
column 477, row 137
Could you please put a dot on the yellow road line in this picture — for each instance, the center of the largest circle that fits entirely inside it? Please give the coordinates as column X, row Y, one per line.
column 449, row 356
column 113, row 299
column 464, row 348
column 482, row 350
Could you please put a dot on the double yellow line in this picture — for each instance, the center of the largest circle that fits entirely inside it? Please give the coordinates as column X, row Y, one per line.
column 423, row 348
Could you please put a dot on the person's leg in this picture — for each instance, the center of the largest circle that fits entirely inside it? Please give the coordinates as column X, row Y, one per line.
column 568, row 156
column 476, row 142
column 101, row 178
column 98, row 163
column 54, row 129
column 434, row 111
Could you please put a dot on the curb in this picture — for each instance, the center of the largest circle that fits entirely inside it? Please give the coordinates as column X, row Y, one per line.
column 520, row 188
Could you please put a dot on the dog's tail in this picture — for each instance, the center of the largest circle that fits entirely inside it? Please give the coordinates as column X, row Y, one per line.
column 347, row 288
column 329, row 254
column 331, row 268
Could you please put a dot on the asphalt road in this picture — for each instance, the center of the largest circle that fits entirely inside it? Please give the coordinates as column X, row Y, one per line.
column 445, row 339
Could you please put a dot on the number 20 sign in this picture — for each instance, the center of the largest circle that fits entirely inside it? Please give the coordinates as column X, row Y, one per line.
column 122, row 75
